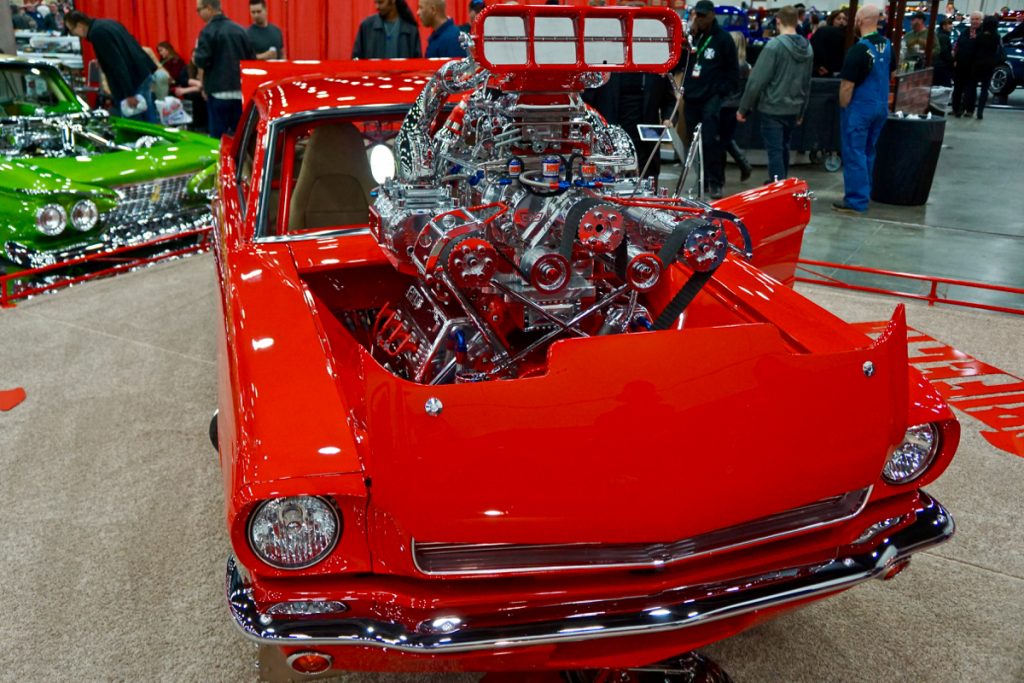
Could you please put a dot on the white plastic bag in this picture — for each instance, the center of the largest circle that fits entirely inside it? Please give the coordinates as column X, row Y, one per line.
column 172, row 112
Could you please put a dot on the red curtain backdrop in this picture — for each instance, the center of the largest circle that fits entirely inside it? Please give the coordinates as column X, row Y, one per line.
column 313, row 29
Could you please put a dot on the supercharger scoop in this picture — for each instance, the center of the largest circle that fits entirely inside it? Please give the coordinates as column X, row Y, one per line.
column 522, row 219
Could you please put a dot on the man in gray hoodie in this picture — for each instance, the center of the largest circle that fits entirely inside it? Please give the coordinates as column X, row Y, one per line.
column 779, row 88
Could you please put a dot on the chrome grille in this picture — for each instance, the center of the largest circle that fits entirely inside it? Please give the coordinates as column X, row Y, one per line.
column 469, row 558
column 153, row 199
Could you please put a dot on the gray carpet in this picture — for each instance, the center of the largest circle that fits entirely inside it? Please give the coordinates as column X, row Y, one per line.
column 112, row 544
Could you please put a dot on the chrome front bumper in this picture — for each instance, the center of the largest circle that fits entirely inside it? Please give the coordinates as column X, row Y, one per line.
column 872, row 557
column 134, row 233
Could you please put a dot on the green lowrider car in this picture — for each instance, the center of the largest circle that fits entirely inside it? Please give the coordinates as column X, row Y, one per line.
column 75, row 181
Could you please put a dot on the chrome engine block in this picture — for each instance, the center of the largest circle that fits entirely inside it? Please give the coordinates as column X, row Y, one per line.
column 522, row 219
column 63, row 135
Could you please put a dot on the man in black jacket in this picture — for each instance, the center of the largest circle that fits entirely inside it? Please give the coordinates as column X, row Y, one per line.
column 128, row 69
column 829, row 44
column 943, row 62
column 712, row 74
column 391, row 33
column 963, row 66
column 222, row 45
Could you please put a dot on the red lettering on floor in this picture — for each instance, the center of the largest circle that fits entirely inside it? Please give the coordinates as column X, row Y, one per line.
column 983, row 392
column 9, row 398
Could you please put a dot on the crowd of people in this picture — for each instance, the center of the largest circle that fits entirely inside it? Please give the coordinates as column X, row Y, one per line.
column 39, row 16
column 211, row 79
column 719, row 88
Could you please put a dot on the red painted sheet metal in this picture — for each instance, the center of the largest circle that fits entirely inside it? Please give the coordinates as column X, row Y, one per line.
column 710, row 427
column 776, row 216
column 314, row 85
column 293, row 419
column 992, row 397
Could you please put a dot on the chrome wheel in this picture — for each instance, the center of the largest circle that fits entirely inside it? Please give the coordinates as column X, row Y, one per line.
column 1002, row 80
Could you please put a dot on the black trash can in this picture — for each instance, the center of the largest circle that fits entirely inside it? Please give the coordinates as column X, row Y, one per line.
column 905, row 161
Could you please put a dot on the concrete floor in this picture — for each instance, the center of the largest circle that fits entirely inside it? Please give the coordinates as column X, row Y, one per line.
column 971, row 228
column 113, row 547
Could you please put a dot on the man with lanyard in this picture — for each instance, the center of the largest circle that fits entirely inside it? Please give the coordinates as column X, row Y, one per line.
column 712, row 74
column 864, row 98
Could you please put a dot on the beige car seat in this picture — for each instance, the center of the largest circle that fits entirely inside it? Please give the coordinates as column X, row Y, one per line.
column 334, row 183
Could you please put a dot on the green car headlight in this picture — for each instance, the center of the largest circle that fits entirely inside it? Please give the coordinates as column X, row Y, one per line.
column 84, row 215
column 51, row 219
column 294, row 532
column 913, row 456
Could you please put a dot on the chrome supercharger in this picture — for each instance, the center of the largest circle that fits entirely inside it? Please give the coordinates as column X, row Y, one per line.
column 520, row 212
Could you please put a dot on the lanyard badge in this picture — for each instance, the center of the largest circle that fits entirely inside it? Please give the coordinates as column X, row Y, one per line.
column 695, row 73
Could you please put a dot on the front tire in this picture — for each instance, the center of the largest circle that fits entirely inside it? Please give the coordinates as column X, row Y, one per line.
column 214, row 439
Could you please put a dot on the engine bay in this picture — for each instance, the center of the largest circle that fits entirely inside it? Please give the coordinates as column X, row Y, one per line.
column 67, row 135
column 521, row 219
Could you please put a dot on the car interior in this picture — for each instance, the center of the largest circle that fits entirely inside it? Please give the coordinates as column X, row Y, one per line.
column 322, row 174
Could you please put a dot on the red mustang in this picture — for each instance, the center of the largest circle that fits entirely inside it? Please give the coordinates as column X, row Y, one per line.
column 505, row 406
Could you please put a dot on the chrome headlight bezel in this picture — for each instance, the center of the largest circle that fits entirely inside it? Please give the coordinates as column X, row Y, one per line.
column 84, row 215
column 922, row 443
column 43, row 216
column 264, row 513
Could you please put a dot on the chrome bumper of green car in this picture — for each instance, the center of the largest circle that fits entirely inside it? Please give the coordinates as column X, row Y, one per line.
column 117, row 229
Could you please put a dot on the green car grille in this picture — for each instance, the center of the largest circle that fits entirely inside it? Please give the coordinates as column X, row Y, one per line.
column 150, row 200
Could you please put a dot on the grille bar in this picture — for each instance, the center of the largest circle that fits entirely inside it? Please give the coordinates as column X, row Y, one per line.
column 156, row 198
column 441, row 559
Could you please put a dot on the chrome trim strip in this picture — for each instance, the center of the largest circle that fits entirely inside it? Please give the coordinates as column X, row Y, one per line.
column 653, row 555
column 853, row 564
column 339, row 232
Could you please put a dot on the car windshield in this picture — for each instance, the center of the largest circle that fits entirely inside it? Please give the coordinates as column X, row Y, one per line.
column 732, row 21
column 32, row 90
column 324, row 171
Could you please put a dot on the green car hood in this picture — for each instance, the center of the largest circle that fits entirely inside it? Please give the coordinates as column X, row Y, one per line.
column 27, row 184
column 177, row 153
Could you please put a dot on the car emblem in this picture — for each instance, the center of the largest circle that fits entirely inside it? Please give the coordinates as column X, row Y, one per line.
column 155, row 196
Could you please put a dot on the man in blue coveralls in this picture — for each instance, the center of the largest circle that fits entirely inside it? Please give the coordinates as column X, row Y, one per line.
column 864, row 98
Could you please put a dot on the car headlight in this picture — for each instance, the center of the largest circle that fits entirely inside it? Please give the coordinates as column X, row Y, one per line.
column 84, row 215
column 294, row 532
column 913, row 456
column 51, row 219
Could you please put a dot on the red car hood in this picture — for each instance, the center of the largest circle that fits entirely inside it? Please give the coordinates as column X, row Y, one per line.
column 707, row 427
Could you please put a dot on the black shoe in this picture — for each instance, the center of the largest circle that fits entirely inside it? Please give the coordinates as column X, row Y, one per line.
column 957, row 114
column 715, row 191
column 980, row 117
column 745, row 170
column 843, row 207
column 968, row 113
